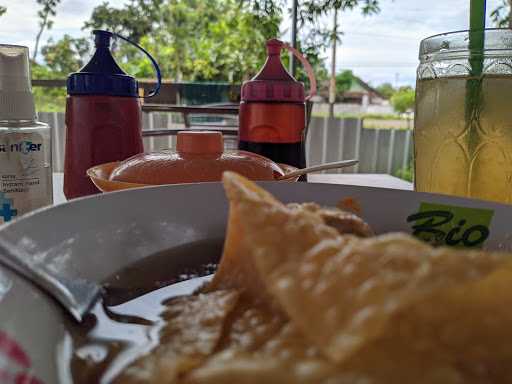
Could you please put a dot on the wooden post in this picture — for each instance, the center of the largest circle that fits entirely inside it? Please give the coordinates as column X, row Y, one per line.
column 293, row 60
column 141, row 95
column 332, row 84
column 510, row 13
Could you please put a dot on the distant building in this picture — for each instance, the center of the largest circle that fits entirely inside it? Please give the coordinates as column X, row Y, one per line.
column 363, row 94
column 360, row 98
column 360, row 93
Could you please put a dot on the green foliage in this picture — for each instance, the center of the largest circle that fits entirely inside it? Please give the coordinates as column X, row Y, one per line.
column 193, row 40
column 312, row 9
column 48, row 99
column 311, row 16
column 61, row 58
column 501, row 15
column 2, row 10
column 316, row 60
column 387, row 90
column 403, row 99
column 314, row 34
column 197, row 40
column 136, row 19
column 344, row 81
column 48, row 9
column 406, row 174
column 66, row 55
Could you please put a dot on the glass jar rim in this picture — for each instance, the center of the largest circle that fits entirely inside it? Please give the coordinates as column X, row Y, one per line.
column 497, row 42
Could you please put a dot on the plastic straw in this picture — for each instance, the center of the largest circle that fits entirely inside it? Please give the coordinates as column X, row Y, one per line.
column 476, row 60
column 476, row 36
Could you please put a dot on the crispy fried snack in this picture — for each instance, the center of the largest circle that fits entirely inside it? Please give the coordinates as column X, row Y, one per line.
column 314, row 305
column 347, row 295
column 344, row 222
column 193, row 330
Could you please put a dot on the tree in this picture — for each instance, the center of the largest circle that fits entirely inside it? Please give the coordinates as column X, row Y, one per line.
column 45, row 22
column 66, row 55
column 136, row 19
column 311, row 13
column 317, row 35
column 61, row 58
column 502, row 16
column 344, row 81
column 387, row 90
column 403, row 99
column 315, row 58
column 195, row 40
column 2, row 10
column 48, row 99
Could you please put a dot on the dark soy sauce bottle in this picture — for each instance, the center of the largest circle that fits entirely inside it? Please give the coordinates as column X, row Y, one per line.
column 273, row 110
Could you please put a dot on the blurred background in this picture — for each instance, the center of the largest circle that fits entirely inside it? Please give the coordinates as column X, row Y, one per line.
column 364, row 53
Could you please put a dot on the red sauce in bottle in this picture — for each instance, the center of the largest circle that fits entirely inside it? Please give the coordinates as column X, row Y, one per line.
column 100, row 129
column 103, row 116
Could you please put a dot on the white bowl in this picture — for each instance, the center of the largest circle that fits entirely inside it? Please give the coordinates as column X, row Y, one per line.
column 95, row 237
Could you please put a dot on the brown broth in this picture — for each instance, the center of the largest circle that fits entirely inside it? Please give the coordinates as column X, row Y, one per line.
column 126, row 323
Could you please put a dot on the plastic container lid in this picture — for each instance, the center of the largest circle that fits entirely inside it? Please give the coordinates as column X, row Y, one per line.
column 273, row 82
column 16, row 99
column 102, row 75
column 199, row 157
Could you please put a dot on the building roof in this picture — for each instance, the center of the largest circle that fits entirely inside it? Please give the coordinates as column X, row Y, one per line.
column 357, row 88
column 360, row 86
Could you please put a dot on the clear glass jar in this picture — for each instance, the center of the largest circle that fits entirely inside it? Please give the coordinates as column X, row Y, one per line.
column 463, row 121
column 25, row 167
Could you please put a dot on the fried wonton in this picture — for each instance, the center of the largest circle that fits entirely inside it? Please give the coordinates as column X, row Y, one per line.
column 303, row 302
column 193, row 330
column 344, row 222
column 236, row 269
column 345, row 293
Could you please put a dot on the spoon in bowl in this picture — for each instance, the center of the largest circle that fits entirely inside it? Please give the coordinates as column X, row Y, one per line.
column 318, row 168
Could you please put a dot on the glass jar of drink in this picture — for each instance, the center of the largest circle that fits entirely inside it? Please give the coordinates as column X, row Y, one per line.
column 463, row 122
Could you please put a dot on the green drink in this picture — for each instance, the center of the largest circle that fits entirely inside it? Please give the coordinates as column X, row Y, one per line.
column 464, row 148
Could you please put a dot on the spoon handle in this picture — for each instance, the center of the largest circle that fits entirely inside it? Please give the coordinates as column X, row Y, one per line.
column 321, row 167
column 76, row 295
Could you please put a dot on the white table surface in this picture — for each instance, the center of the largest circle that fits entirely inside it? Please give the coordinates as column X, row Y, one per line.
column 367, row 180
column 363, row 179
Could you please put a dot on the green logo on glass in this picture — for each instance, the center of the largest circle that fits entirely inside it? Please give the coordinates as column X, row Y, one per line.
column 450, row 225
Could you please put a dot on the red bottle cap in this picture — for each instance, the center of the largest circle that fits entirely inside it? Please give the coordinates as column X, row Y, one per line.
column 273, row 82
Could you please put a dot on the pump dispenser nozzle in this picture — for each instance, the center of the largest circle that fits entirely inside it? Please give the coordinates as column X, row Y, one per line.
column 16, row 99
column 102, row 76
column 102, row 61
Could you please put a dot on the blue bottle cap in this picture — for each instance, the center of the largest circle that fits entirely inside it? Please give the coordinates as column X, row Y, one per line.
column 102, row 75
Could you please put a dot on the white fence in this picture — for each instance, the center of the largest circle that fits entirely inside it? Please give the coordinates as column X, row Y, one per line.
column 378, row 150
column 348, row 108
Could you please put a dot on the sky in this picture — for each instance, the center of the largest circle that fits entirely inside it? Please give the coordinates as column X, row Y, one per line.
column 379, row 48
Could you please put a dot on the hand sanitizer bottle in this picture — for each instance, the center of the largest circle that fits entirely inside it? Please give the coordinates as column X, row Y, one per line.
column 25, row 143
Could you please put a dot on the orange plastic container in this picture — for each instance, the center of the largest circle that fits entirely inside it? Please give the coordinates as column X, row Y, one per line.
column 199, row 157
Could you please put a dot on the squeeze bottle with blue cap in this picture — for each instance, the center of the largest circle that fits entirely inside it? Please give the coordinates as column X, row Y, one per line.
column 103, row 116
column 25, row 143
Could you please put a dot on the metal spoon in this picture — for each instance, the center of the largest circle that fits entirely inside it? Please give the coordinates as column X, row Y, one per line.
column 76, row 295
column 317, row 168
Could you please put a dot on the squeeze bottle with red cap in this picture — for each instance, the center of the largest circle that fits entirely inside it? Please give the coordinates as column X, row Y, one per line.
column 103, row 116
column 272, row 110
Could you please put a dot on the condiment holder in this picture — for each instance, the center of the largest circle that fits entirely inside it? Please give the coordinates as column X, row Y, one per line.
column 199, row 157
